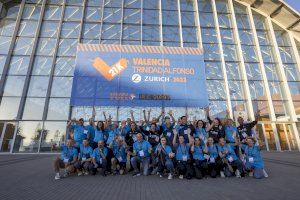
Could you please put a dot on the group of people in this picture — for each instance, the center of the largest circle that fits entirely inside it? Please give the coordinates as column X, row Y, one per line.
column 162, row 146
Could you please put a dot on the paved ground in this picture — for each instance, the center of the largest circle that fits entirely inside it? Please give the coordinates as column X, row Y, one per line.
column 31, row 177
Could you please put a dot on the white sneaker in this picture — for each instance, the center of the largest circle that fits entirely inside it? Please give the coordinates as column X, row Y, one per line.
column 79, row 174
column 222, row 174
column 86, row 173
column 170, row 176
column 181, row 177
column 250, row 174
column 237, row 173
column 265, row 173
column 57, row 176
column 160, row 176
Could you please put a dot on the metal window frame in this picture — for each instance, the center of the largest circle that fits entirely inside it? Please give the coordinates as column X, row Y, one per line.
column 198, row 24
column 241, row 62
column 180, row 25
column 11, row 47
column 160, row 24
column 223, row 65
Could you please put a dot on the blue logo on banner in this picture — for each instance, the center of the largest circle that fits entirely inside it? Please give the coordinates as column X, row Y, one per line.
column 121, row 75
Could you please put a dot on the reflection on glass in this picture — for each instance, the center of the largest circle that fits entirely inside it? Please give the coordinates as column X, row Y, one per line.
column 8, row 137
column 34, row 109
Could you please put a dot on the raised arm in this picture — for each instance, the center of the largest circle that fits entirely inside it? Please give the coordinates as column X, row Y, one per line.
column 132, row 116
column 105, row 118
column 145, row 118
column 191, row 140
column 175, row 136
column 161, row 114
column 148, row 119
column 207, row 115
column 171, row 115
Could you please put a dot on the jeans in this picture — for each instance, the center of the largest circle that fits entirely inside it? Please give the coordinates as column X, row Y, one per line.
column 168, row 164
column 144, row 161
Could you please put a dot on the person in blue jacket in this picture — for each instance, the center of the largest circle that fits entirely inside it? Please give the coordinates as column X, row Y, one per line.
column 200, row 131
column 183, row 159
column 79, row 131
column 211, row 155
column 254, row 162
column 67, row 160
column 231, row 163
column 119, row 158
column 84, row 165
column 141, row 154
column 200, row 162
column 113, row 133
column 165, row 155
column 99, row 158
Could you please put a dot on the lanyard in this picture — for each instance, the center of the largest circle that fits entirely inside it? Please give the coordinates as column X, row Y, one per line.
column 250, row 153
column 140, row 146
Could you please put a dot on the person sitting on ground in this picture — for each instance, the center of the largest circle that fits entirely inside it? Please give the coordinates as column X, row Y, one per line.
column 229, row 160
column 84, row 165
column 66, row 160
column 118, row 161
column 99, row 158
column 141, row 154
column 200, row 163
column 254, row 162
column 211, row 155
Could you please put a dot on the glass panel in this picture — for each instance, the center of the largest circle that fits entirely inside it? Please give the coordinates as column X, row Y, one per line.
column 206, row 19
column 38, row 86
column 282, row 137
column 213, row 70
column 73, row 13
column 91, row 31
column 14, row 86
column 2, row 63
column 9, row 108
column 270, row 136
column 31, row 12
column 132, row 16
column 4, row 44
column 64, row 66
column 150, row 17
column 131, row 32
column 93, row 14
column 170, row 18
column 257, row 90
column 46, row 47
column 209, row 35
column 189, row 34
column 67, row 47
column 18, row 65
column 53, row 136
column 111, row 31
column 42, row 65
column 112, row 3
column 94, row 2
column 49, row 29
column 171, row 34
column 7, row 27
column 52, row 12
column 70, row 30
column 28, row 136
column 34, row 109
column 151, row 33
column 218, row 108
column 211, row 52
column 188, row 18
column 1, row 128
column 58, row 109
column 8, row 137
column 61, row 87
column 23, row 46
column 112, row 15
column 215, row 89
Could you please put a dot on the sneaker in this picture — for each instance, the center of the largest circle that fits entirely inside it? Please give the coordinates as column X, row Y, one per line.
column 181, row 177
column 265, row 173
column 65, row 175
column 86, row 173
column 160, row 176
column 136, row 174
column 222, row 174
column 251, row 174
column 79, row 174
column 57, row 176
column 170, row 176
column 237, row 174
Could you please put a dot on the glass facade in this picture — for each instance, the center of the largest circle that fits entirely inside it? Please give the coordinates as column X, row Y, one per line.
column 252, row 63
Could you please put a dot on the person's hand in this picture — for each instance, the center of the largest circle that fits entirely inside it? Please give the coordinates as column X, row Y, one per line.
column 170, row 112
column 95, row 165
column 73, row 119
column 258, row 113
column 144, row 111
column 103, row 112
column 175, row 131
column 227, row 112
column 206, row 109
column 131, row 111
column 149, row 111
column 171, row 155
column 226, row 151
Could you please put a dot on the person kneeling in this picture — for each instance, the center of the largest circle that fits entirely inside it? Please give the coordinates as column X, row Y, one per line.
column 254, row 163
column 229, row 161
column 99, row 158
column 165, row 155
column 141, row 153
column 84, row 165
column 67, row 160
column 118, row 147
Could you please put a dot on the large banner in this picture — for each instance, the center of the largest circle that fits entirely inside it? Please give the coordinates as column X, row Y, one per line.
column 126, row 75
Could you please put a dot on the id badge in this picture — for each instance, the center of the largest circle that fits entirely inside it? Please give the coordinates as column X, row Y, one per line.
column 251, row 159
column 169, row 134
column 85, row 131
column 230, row 159
column 83, row 158
column 66, row 160
column 100, row 160
column 206, row 156
column 141, row 153
column 244, row 135
column 120, row 159
column 185, row 132
column 212, row 160
column 184, row 158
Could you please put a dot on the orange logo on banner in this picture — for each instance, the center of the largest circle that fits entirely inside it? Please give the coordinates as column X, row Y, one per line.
column 110, row 72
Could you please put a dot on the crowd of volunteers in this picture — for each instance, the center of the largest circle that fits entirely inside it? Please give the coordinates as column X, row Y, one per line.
column 162, row 146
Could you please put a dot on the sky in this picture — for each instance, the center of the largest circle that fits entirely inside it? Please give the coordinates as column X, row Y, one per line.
column 294, row 3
